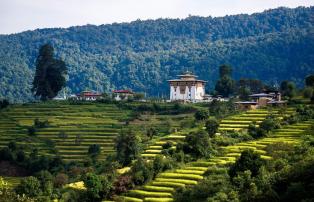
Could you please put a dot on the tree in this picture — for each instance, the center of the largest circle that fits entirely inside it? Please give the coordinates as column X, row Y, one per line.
column 29, row 186
column 288, row 89
column 4, row 103
column 12, row 145
column 6, row 154
column 60, row 180
column 269, row 124
column 201, row 114
column 225, row 70
column 46, row 182
column 309, row 81
column 151, row 132
column 97, row 187
column 251, row 85
column 197, row 144
column 93, row 186
column 138, row 96
column 20, row 156
column 31, row 130
column 249, row 160
column 244, row 93
column 212, row 126
column 308, row 92
column 50, row 74
column 94, row 150
column 225, row 85
column 142, row 171
column 127, row 147
column 256, row 132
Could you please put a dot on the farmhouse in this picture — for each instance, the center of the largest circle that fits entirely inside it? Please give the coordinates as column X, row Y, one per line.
column 187, row 88
column 272, row 98
column 122, row 94
column 88, row 96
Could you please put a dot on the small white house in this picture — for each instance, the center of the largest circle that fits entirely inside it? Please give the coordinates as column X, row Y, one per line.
column 89, row 96
column 187, row 88
column 122, row 94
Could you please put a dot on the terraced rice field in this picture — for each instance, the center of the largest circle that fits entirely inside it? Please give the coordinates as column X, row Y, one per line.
column 82, row 125
column 163, row 186
column 236, row 122
column 242, row 121
column 156, row 148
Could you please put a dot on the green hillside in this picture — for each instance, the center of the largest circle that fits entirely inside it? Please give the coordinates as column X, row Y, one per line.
column 272, row 46
column 164, row 187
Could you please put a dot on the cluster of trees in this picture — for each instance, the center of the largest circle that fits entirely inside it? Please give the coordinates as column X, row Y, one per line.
column 309, row 90
column 142, row 55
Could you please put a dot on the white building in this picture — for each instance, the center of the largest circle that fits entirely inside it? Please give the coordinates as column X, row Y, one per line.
column 88, row 96
column 187, row 88
column 122, row 94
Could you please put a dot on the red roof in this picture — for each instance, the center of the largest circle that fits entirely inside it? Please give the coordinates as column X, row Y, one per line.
column 122, row 91
column 89, row 94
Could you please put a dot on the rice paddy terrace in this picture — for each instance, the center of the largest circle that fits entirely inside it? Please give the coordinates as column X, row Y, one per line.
column 161, row 189
column 242, row 121
column 71, row 128
column 235, row 122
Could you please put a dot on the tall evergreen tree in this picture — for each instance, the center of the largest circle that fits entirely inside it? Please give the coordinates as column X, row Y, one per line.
column 50, row 74
column 225, row 85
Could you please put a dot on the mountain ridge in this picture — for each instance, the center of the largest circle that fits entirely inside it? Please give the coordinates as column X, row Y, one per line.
column 142, row 55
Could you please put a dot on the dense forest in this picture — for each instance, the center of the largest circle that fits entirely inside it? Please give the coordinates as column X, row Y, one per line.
column 272, row 46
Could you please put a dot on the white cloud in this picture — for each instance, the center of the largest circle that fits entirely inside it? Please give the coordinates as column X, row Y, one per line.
column 20, row 15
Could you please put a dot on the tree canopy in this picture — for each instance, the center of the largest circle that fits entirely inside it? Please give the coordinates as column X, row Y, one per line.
column 50, row 74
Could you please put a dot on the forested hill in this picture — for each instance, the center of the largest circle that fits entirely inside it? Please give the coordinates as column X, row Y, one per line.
column 274, row 45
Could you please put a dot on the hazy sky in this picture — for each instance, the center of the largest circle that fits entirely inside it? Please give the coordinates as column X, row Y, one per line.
column 21, row 15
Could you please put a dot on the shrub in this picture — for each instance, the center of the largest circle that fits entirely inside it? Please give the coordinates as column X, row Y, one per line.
column 201, row 114
column 256, row 132
column 249, row 160
column 167, row 145
column 12, row 145
column 41, row 124
column 29, row 186
column 151, row 132
column 94, row 150
column 97, row 187
column 197, row 144
column 60, row 180
column 212, row 126
column 31, row 131
column 127, row 147
column 46, row 182
column 161, row 163
column 308, row 92
column 142, row 172
column 123, row 184
column 269, row 124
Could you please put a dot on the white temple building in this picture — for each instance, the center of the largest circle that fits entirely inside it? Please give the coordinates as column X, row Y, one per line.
column 187, row 88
